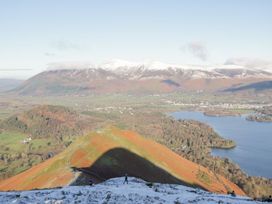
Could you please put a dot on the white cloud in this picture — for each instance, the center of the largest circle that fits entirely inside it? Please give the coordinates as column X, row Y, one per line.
column 197, row 49
column 50, row 54
column 69, row 65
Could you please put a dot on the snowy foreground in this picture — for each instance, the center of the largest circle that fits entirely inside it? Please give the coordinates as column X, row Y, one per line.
column 114, row 191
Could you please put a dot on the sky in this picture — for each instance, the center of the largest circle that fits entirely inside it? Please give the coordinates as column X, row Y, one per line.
column 36, row 33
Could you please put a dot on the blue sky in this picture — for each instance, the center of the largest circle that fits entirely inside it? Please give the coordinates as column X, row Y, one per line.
column 35, row 33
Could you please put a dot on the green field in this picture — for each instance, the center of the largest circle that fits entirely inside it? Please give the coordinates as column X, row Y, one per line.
column 10, row 141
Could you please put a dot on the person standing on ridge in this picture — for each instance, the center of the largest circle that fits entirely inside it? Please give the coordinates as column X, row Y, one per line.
column 91, row 182
column 126, row 179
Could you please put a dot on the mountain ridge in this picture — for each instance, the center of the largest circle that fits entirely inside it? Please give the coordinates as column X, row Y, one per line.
column 135, row 80
column 86, row 153
column 116, row 64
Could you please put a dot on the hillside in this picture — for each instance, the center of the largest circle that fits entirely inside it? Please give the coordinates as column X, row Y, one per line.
column 115, row 192
column 47, row 121
column 193, row 140
column 257, row 86
column 124, row 77
column 112, row 152
column 35, row 135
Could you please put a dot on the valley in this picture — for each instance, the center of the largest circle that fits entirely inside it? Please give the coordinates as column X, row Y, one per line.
column 131, row 116
column 36, row 129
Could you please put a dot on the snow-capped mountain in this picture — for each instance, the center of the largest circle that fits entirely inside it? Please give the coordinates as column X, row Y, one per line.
column 115, row 191
column 119, row 76
column 137, row 70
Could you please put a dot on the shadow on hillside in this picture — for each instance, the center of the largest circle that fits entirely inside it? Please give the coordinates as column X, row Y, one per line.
column 119, row 161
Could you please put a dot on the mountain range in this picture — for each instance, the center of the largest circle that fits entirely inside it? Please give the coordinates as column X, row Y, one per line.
column 125, row 77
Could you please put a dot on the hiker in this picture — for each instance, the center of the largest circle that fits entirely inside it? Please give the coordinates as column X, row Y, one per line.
column 268, row 199
column 126, row 179
column 90, row 182
column 233, row 194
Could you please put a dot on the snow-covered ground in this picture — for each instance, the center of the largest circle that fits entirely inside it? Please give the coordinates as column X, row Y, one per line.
column 114, row 191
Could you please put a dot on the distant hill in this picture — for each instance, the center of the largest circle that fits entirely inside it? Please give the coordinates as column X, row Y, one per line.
column 32, row 136
column 8, row 84
column 137, row 78
column 112, row 152
column 258, row 86
column 47, row 121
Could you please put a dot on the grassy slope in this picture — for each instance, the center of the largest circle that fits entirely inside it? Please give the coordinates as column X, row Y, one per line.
column 51, row 129
column 86, row 150
column 14, row 153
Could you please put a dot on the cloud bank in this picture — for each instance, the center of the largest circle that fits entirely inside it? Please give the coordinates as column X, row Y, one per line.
column 69, row 65
column 253, row 63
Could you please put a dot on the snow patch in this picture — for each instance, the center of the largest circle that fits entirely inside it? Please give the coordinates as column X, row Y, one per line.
column 115, row 191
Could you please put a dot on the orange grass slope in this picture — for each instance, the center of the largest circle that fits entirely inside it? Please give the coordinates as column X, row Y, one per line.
column 152, row 162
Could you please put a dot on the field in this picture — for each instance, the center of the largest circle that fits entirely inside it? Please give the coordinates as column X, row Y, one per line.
column 116, row 104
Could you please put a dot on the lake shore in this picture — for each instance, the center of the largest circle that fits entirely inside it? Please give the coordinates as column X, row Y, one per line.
column 247, row 160
column 220, row 113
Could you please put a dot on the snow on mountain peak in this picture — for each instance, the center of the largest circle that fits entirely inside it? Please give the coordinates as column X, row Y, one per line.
column 134, row 69
column 118, row 64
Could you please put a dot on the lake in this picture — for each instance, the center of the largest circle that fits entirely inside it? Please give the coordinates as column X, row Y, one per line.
column 253, row 152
